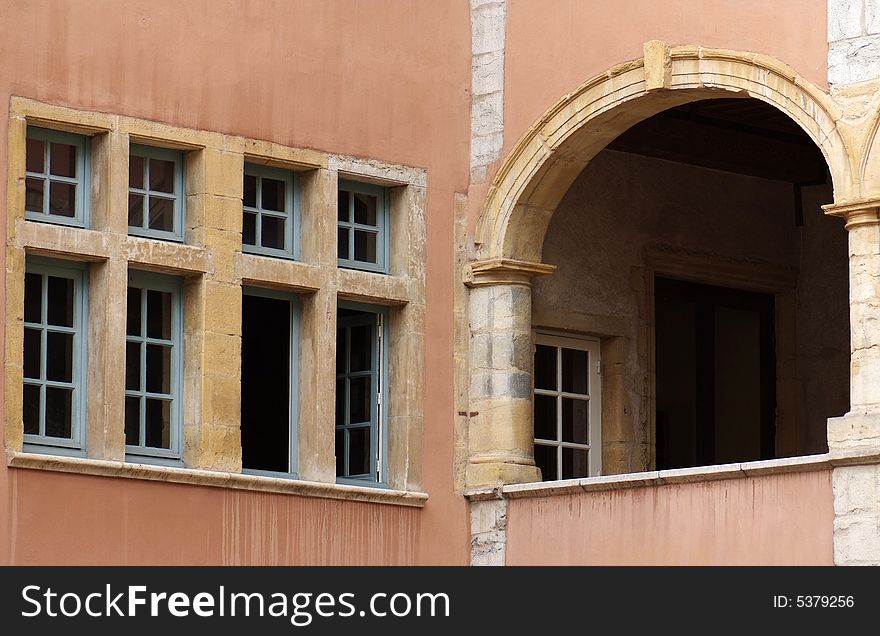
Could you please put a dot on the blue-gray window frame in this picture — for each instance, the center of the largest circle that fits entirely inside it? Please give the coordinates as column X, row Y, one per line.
column 379, row 412
column 291, row 214
column 293, row 409
column 144, row 281
column 78, row 272
column 82, row 182
column 381, row 229
column 162, row 154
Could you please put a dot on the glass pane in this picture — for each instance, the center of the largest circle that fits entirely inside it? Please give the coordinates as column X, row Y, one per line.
column 59, row 356
column 161, row 175
column 365, row 209
column 161, row 214
column 136, row 210
column 59, row 300
column 33, row 194
column 342, row 243
column 133, row 312
column 365, row 246
column 575, row 421
column 340, row 453
column 545, row 417
column 340, row 402
column 342, row 206
column 62, row 199
column 36, row 155
column 132, row 420
column 545, row 367
column 574, row 463
column 132, row 366
column 32, row 353
column 62, row 160
column 158, row 314
column 158, row 424
column 31, row 409
column 249, row 198
column 273, row 232
column 273, row 195
column 249, row 229
column 545, row 459
column 359, row 451
column 33, row 297
column 158, row 369
column 59, row 405
column 574, row 371
column 359, row 400
column 135, row 172
column 361, row 348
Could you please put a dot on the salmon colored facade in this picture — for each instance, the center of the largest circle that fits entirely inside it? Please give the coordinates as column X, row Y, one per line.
column 393, row 82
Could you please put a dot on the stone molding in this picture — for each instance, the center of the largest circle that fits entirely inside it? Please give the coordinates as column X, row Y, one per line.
column 503, row 271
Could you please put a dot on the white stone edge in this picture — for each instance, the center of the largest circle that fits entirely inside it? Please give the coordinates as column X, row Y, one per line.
column 383, row 172
column 648, row 479
column 217, row 479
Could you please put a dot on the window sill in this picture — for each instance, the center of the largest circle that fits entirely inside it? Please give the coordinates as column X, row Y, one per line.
column 656, row 478
column 198, row 477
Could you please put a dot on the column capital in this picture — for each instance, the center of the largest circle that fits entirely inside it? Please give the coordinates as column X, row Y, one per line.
column 856, row 213
column 503, row 271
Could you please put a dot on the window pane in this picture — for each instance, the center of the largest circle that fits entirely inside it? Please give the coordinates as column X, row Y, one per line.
column 59, row 299
column 574, row 371
column 36, row 155
column 361, row 348
column 342, row 206
column 365, row 209
column 342, row 243
column 136, row 210
column 545, row 367
column 33, row 297
column 249, row 198
column 249, row 229
column 574, row 463
column 340, row 402
column 31, row 409
column 545, row 417
column 133, row 312
column 575, row 421
column 273, row 232
column 62, row 199
column 158, row 314
column 158, row 369
column 132, row 420
column 136, row 172
column 359, row 400
column 359, row 451
column 341, row 351
column 545, row 459
column 161, row 214
column 32, row 347
column 132, row 366
column 59, row 356
column 365, row 246
column 33, row 195
column 158, row 424
column 59, row 403
column 340, row 453
column 161, row 175
column 62, row 160
column 273, row 194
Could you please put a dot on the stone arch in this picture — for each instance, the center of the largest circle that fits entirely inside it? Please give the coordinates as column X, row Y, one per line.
column 539, row 170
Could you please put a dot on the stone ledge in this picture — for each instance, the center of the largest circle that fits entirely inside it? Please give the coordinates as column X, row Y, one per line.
column 701, row 474
column 196, row 477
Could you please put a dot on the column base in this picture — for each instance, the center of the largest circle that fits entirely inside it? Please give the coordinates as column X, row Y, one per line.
column 490, row 474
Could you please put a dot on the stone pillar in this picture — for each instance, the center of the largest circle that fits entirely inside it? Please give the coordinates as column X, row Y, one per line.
column 857, row 434
column 501, row 431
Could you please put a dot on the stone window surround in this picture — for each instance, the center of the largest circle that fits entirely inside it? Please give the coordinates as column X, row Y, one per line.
column 215, row 269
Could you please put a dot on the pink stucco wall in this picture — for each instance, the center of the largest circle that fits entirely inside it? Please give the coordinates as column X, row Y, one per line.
column 769, row 520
